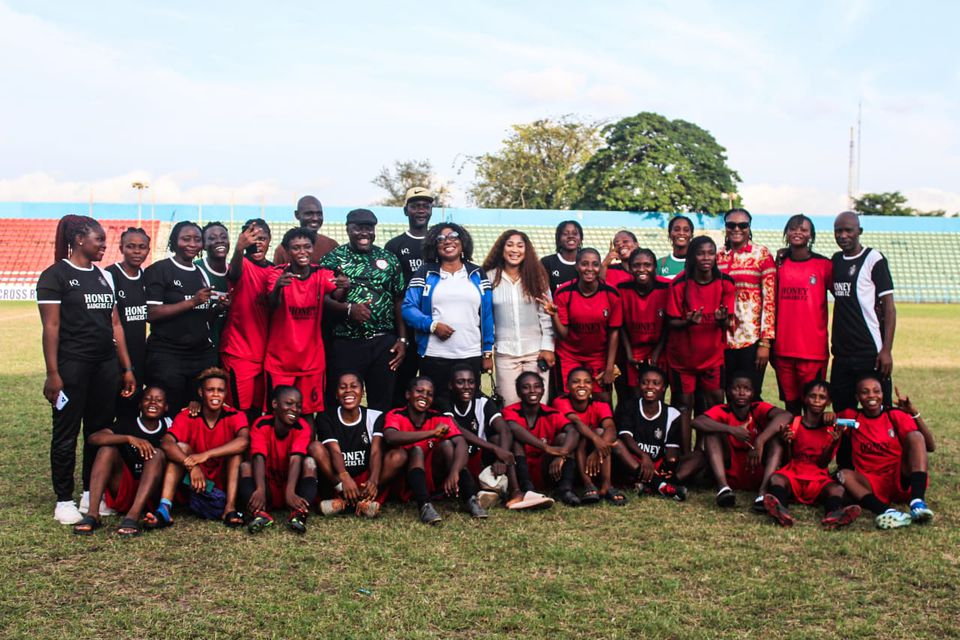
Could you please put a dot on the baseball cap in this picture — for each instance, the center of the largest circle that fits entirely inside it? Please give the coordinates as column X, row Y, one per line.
column 414, row 193
column 361, row 216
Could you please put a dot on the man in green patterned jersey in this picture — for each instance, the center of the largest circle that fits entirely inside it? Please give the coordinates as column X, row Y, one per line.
column 371, row 337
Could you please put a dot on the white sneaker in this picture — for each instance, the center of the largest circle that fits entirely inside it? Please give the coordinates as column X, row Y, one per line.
column 66, row 512
column 85, row 505
column 85, row 502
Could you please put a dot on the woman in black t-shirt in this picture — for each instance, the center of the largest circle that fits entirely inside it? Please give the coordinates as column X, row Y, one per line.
column 180, row 307
column 84, row 351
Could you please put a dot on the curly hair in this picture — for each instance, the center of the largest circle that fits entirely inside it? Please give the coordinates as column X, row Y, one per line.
column 430, row 242
column 298, row 232
column 211, row 373
column 533, row 277
column 69, row 227
column 175, row 233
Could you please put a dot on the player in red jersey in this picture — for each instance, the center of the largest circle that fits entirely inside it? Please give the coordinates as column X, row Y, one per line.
column 593, row 420
column 623, row 244
column 421, row 431
column 812, row 440
column 699, row 311
column 643, row 302
column 243, row 344
column 586, row 315
column 544, row 441
column 280, row 473
column 883, row 459
column 208, row 448
column 740, row 442
column 295, row 354
column 800, row 351
column 128, row 469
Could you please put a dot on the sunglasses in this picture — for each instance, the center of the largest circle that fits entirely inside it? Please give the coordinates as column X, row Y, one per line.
column 743, row 226
column 453, row 236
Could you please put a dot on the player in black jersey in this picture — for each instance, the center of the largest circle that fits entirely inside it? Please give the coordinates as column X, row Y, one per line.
column 408, row 247
column 179, row 310
column 84, row 350
column 562, row 266
column 129, row 466
column 132, row 307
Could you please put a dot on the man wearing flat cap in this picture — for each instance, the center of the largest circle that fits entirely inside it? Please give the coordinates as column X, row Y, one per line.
column 371, row 338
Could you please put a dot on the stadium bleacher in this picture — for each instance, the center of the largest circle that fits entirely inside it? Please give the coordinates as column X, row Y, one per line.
column 924, row 264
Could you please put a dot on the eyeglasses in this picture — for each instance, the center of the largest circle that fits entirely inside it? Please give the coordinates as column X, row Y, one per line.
column 742, row 226
column 453, row 236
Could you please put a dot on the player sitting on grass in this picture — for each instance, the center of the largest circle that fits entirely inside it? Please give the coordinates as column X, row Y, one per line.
column 544, row 441
column 593, row 420
column 812, row 440
column 421, row 431
column 208, row 448
column 128, row 469
column 350, row 452
column 740, row 443
column 883, row 459
column 651, row 437
column 279, row 474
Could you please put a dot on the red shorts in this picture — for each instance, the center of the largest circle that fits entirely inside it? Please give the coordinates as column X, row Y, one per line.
column 475, row 462
column 807, row 481
column 276, row 494
column 247, row 383
column 311, row 388
column 122, row 500
column 568, row 363
column 739, row 475
column 687, row 382
column 890, row 488
column 794, row 373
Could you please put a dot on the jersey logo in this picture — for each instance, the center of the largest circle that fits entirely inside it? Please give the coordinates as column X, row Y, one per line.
column 74, row 283
column 853, row 269
column 556, row 274
column 177, row 283
column 606, row 313
column 891, row 433
column 381, row 263
column 664, row 270
column 661, row 313
column 658, row 433
column 365, row 438
column 122, row 294
column 813, row 279
column 405, row 251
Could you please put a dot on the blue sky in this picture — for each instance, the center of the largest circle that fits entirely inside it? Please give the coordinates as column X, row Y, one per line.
column 262, row 102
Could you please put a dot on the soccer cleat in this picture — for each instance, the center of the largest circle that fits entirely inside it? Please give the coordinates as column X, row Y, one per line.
column 670, row 490
column 841, row 517
column 893, row 519
column 488, row 499
column 920, row 512
column 332, row 507
column 726, row 498
column 777, row 510
column 261, row 520
column 66, row 512
column 758, row 505
column 368, row 508
column 475, row 509
column 429, row 515
column 297, row 522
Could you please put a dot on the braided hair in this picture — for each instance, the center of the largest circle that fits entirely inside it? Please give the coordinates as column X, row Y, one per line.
column 69, row 227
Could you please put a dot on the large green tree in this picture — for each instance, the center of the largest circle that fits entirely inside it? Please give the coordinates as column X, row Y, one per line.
column 652, row 163
column 891, row 203
column 537, row 165
column 411, row 173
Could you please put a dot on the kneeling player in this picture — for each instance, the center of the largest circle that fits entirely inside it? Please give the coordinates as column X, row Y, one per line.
column 208, row 448
column 128, row 468
column 421, row 431
column 883, row 459
column 812, row 439
column 652, row 438
column 487, row 435
column 350, row 451
column 736, row 437
column 544, row 441
column 279, row 473
column 593, row 419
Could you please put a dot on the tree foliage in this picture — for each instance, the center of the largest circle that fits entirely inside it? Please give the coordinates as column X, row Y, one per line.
column 891, row 203
column 411, row 173
column 651, row 163
column 537, row 165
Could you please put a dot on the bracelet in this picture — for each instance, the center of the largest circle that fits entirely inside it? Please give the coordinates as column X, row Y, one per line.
column 916, row 416
column 763, row 343
column 433, row 326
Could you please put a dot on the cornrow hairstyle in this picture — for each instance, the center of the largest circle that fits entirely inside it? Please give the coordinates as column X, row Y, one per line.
column 726, row 242
column 281, row 389
column 68, row 228
column 794, row 222
column 134, row 230
column 522, row 376
column 258, row 222
column 676, row 219
column 175, row 233
column 430, row 242
column 562, row 226
column 298, row 232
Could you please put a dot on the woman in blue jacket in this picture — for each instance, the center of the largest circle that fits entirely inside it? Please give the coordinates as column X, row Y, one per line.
column 450, row 306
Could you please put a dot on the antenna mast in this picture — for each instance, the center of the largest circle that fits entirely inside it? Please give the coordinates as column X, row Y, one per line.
column 850, row 173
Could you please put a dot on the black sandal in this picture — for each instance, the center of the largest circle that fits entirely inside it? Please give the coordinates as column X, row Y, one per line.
column 615, row 497
column 86, row 526
column 590, row 495
column 129, row 528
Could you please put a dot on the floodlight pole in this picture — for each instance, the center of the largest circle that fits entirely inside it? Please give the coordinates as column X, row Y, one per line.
column 140, row 186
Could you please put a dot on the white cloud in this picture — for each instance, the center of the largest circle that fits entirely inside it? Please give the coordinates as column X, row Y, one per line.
column 928, row 199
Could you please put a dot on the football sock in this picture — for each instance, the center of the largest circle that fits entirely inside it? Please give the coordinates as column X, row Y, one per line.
column 467, row 486
column 417, row 479
column 523, row 474
column 567, row 475
column 779, row 492
column 872, row 503
column 307, row 489
column 245, row 488
column 918, row 485
column 832, row 503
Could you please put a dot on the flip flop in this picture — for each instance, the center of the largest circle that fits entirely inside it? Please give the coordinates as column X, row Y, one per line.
column 531, row 500
column 86, row 526
column 129, row 528
column 615, row 497
column 590, row 495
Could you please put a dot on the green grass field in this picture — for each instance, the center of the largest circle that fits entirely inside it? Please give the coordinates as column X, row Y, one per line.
column 653, row 568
